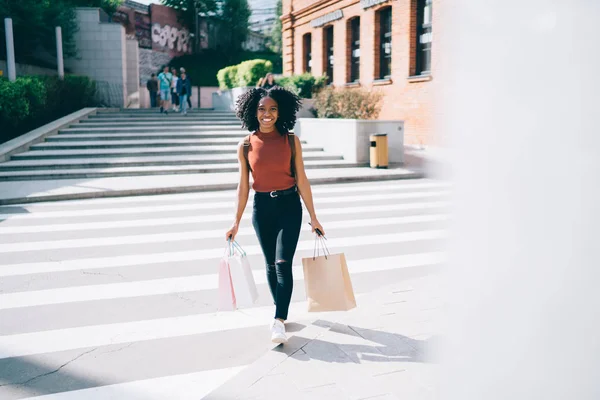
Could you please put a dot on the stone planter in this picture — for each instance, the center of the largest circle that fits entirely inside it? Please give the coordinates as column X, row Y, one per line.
column 350, row 137
column 225, row 100
column 305, row 111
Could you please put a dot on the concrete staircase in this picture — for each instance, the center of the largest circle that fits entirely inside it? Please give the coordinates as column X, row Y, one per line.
column 143, row 142
column 112, row 153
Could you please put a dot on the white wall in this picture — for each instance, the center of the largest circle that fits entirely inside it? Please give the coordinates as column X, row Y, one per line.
column 101, row 56
column 133, row 73
column 350, row 137
column 520, row 108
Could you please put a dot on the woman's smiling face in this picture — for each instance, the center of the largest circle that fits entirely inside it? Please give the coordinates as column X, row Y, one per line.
column 267, row 113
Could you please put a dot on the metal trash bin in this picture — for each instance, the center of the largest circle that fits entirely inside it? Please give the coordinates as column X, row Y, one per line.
column 379, row 150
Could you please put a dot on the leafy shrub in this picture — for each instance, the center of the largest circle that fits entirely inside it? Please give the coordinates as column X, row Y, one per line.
column 202, row 68
column 348, row 103
column 33, row 101
column 227, row 77
column 304, row 85
column 251, row 71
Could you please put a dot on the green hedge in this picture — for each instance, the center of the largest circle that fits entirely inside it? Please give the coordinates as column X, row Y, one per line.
column 348, row 103
column 30, row 102
column 244, row 74
column 304, row 85
column 251, row 71
column 202, row 68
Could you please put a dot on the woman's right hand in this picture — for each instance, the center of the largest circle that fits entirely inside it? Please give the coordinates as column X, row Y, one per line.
column 232, row 232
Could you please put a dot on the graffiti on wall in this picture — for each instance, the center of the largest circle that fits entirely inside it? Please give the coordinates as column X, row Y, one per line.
column 176, row 39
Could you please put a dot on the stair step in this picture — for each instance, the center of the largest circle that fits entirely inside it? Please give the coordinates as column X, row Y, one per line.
column 196, row 128
column 135, row 152
column 142, row 161
column 67, row 138
column 154, row 125
column 157, row 113
column 115, row 144
column 174, row 118
column 141, row 171
column 78, row 137
column 216, row 134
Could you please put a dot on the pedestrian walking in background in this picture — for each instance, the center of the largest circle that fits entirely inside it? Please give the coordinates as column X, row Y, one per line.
column 152, row 86
column 174, row 90
column 273, row 156
column 184, row 89
column 267, row 82
column 165, row 80
column 189, row 98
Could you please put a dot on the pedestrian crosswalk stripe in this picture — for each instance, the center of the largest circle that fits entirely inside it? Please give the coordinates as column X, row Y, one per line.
column 192, row 386
column 156, row 220
column 207, row 206
column 144, row 259
column 228, row 194
column 26, row 344
column 201, row 234
column 190, row 283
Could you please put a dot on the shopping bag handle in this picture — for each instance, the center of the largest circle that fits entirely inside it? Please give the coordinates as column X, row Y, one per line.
column 232, row 245
column 316, row 252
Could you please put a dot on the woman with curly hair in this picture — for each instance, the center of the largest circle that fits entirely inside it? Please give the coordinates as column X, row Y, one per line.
column 273, row 156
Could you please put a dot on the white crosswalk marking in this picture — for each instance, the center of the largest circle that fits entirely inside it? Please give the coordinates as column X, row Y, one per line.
column 118, row 296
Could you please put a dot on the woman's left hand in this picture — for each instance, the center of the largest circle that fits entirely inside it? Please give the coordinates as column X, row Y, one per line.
column 317, row 225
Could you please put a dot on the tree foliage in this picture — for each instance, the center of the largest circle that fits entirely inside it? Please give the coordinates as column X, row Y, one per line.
column 110, row 6
column 235, row 16
column 34, row 23
column 276, row 31
column 189, row 8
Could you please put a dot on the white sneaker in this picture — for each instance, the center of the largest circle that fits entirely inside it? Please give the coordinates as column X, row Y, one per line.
column 278, row 332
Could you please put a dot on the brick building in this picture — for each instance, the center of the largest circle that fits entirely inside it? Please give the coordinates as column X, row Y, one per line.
column 375, row 44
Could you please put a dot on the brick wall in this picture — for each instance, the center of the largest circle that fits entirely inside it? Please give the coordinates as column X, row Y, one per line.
column 405, row 99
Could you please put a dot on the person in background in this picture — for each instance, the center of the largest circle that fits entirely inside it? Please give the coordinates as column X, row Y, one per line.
column 268, row 81
column 174, row 90
column 184, row 88
column 189, row 97
column 165, row 80
column 152, row 86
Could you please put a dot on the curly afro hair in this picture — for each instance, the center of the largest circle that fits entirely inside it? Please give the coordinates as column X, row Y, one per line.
column 288, row 104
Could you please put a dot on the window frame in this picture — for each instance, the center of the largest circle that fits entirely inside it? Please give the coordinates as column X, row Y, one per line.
column 423, row 50
column 384, row 16
column 328, row 53
column 307, row 53
column 353, row 46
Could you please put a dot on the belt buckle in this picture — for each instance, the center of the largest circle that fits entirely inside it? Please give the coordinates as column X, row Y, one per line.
column 273, row 194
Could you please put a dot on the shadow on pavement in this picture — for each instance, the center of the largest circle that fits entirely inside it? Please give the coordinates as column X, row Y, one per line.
column 390, row 347
column 24, row 377
column 7, row 210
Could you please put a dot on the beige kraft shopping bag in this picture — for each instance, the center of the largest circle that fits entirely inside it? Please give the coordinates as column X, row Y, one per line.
column 327, row 283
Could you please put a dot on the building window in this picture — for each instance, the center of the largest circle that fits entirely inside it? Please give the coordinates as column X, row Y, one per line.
column 385, row 43
column 353, row 47
column 328, row 52
column 307, row 58
column 424, row 37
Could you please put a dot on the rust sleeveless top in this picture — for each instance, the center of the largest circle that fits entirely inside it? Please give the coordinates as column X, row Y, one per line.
column 270, row 159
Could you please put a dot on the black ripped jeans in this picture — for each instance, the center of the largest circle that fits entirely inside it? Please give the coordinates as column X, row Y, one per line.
column 277, row 224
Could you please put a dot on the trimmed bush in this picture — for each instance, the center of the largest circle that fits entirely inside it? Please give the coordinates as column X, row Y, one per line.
column 33, row 101
column 348, row 103
column 228, row 77
column 202, row 68
column 251, row 71
column 304, row 85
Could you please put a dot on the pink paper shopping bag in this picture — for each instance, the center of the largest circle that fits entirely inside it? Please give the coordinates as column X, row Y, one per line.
column 226, row 294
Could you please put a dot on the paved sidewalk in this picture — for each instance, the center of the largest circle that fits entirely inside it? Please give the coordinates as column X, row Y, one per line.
column 384, row 349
